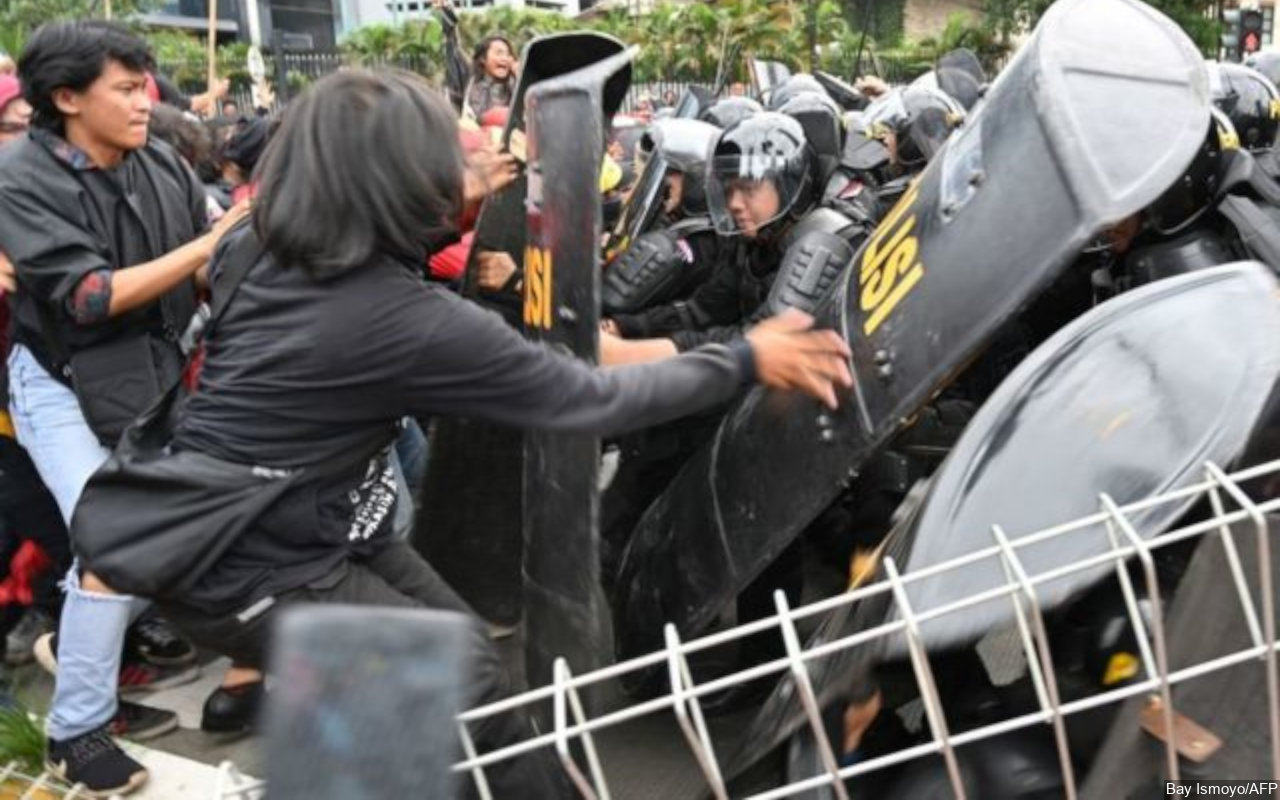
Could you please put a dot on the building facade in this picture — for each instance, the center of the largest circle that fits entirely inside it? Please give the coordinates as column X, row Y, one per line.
column 306, row 24
column 356, row 14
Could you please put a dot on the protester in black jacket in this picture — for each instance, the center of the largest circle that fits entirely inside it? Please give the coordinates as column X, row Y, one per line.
column 107, row 231
column 333, row 336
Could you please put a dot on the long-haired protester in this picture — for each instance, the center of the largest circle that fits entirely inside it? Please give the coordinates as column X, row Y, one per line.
column 331, row 335
column 493, row 76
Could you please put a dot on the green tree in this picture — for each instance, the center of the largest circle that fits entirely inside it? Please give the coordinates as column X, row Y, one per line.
column 1197, row 17
column 19, row 18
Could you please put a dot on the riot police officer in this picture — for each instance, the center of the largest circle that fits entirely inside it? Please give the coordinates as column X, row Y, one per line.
column 764, row 194
column 764, row 188
column 1252, row 103
column 664, row 246
column 729, row 111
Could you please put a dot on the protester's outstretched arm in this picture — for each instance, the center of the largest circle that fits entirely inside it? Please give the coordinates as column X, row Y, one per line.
column 473, row 364
column 615, row 351
column 781, row 373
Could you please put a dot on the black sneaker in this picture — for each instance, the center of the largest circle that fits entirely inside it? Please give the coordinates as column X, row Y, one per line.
column 139, row 723
column 154, row 640
column 96, row 762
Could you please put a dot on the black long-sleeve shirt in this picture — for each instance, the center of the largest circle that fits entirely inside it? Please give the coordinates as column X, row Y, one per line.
column 299, row 372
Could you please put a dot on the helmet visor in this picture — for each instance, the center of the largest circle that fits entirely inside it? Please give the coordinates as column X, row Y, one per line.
column 747, row 192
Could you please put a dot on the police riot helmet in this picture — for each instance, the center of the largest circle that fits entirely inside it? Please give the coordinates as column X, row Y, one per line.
column 728, row 111
column 960, row 85
column 820, row 117
column 964, row 60
column 1193, row 193
column 798, row 84
column 933, row 115
column 1267, row 63
column 768, row 148
column 683, row 146
column 920, row 118
column 1250, row 101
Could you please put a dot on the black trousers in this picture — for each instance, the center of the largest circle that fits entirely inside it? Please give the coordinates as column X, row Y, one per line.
column 397, row 577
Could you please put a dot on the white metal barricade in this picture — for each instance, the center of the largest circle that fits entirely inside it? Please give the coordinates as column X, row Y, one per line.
column 1233, row 510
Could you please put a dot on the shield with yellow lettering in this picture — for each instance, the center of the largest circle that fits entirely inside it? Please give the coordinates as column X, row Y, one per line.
column 1129, row 400
column 565, row 612
column 470, row 528
column 1040, row 168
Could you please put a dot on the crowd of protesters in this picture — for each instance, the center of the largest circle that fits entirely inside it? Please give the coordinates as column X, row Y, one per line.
column 295, row 274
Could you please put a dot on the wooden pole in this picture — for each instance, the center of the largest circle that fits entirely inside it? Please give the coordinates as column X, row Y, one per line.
column 213, row 56
column 106, row 9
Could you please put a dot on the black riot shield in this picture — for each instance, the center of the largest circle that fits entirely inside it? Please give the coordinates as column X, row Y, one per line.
column 640, row 210
column 960, row 86
column 470, row 528
column 1130, row 399
column 565, row 612
column 965, row 248
column 1204, row 622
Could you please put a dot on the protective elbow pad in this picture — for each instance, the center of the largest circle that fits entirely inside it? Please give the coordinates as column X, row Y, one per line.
column 810, row 265
column 651, row 271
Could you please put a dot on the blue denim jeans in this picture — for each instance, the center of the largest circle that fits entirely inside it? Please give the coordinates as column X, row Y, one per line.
column 53, row 430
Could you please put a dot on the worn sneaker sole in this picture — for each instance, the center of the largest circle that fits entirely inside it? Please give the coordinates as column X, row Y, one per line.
column 135, row 782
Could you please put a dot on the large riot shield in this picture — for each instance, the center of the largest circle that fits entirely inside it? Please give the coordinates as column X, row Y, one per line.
column 470, row 527
column 565, row 612
column 641, row 209
column 1130, row 400
column 1033, row 176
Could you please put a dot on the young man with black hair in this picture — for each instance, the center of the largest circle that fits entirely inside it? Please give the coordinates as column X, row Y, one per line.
column 107, row 232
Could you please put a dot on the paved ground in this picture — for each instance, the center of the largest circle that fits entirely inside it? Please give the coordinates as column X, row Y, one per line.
column 644, row 760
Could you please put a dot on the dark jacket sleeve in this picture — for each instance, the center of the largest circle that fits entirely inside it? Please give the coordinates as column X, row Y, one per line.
column 49, row 251
column 457, row 70
column 171, row 94
column 472, row 364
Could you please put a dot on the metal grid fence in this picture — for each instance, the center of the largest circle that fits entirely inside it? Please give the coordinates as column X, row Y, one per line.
column 1233, row 508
